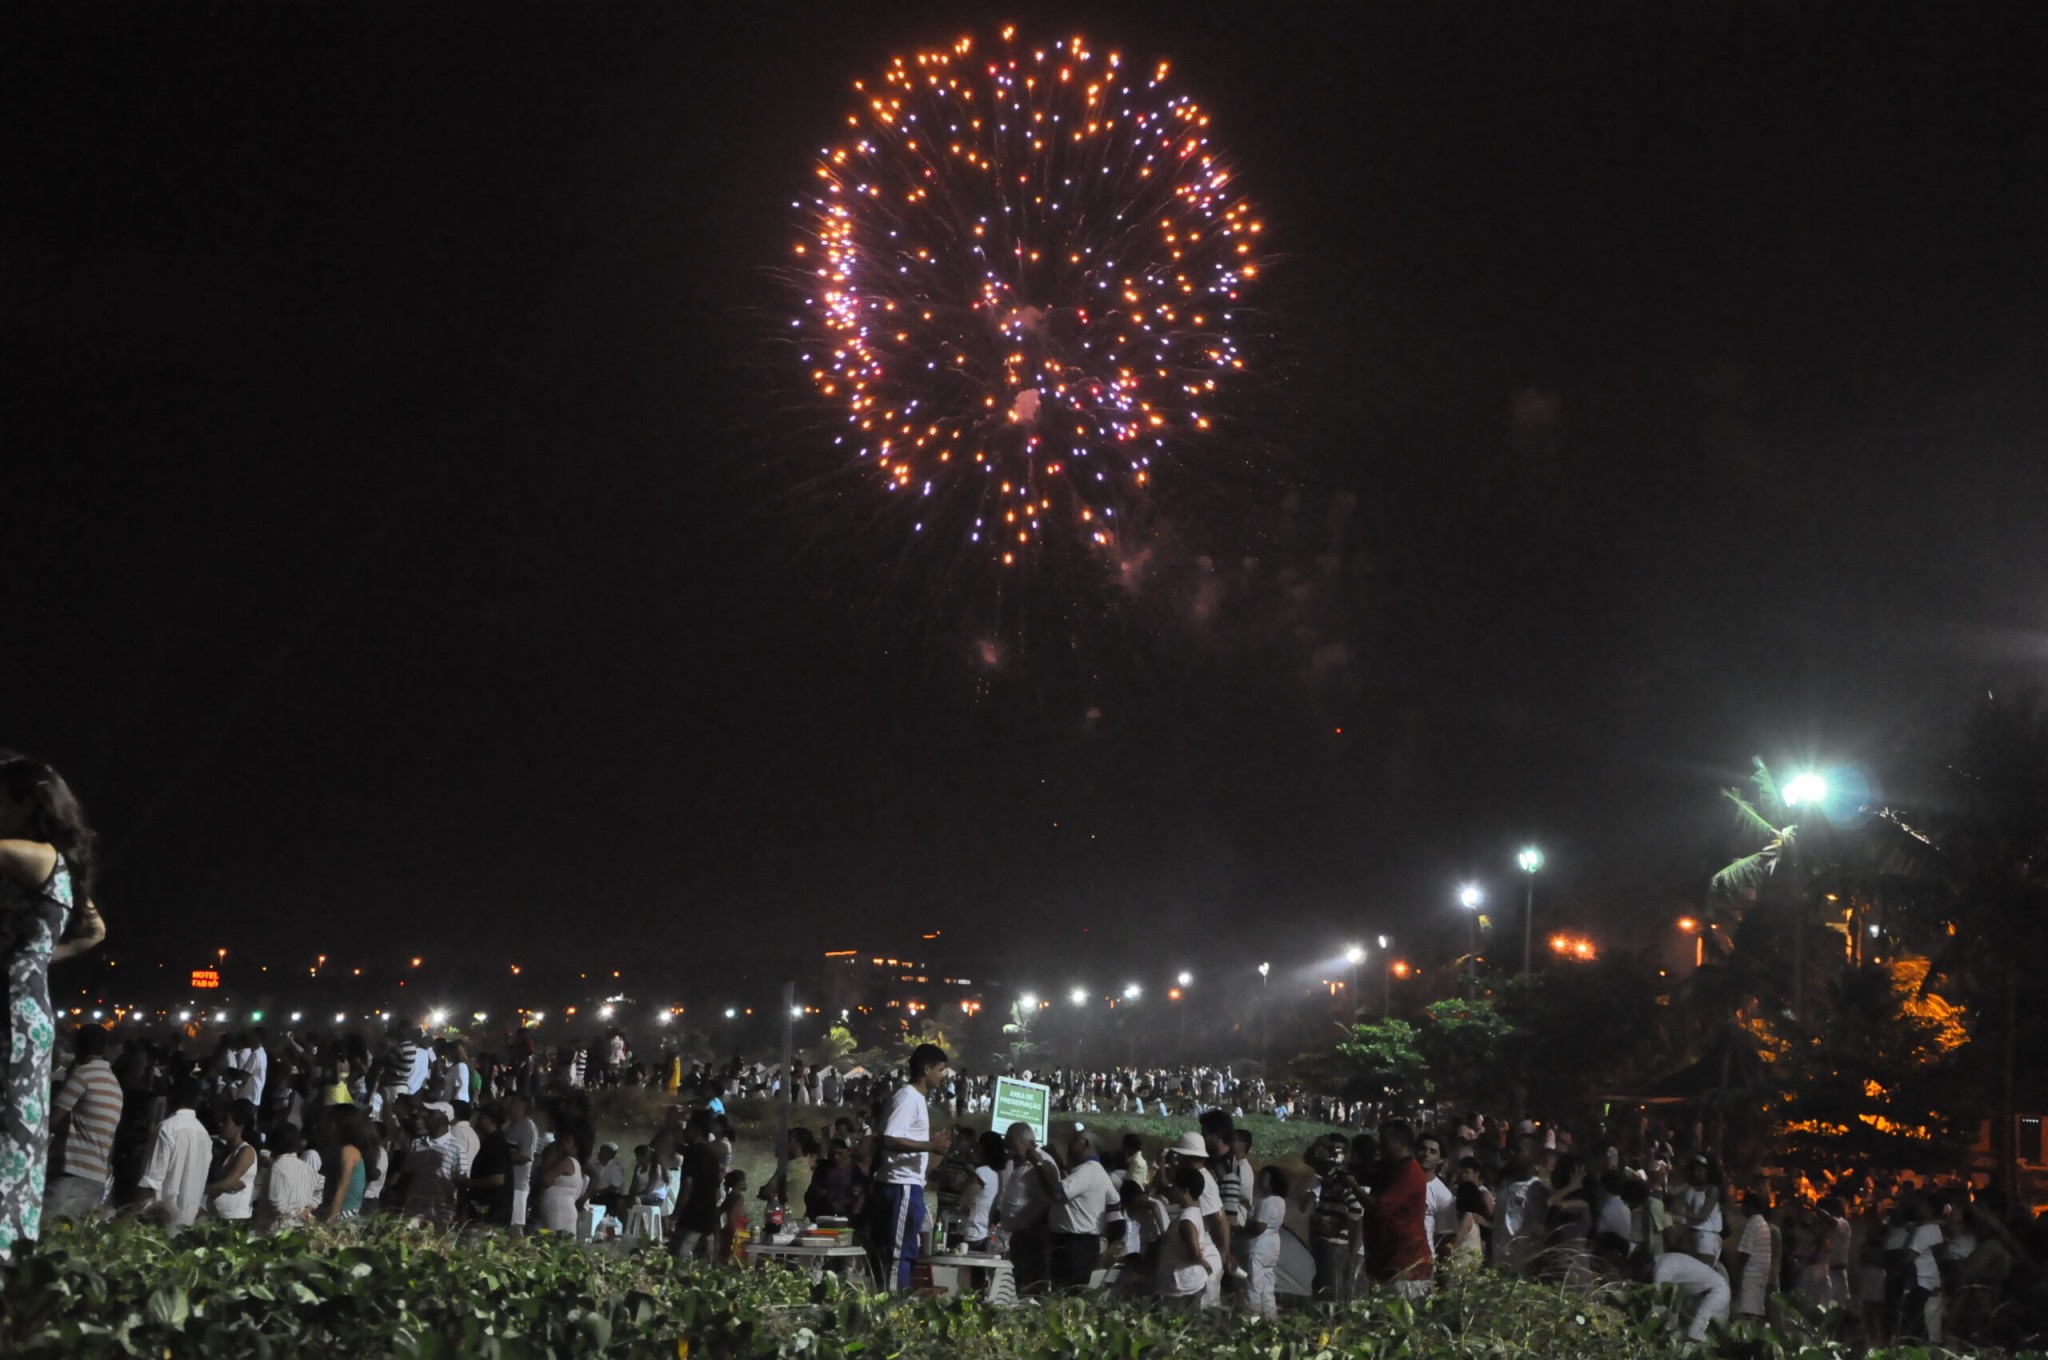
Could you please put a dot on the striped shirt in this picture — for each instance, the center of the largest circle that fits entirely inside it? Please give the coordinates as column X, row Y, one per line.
column 93, row 1098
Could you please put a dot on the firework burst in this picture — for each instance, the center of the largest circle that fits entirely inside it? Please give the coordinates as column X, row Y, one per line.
column 1020, row 270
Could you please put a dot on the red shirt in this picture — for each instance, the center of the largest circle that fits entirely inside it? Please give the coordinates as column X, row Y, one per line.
column 1396, row 1239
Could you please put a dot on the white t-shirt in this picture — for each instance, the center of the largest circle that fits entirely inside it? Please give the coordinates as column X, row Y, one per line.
column 974, row 1223
column 1615, row 1217
column 1270, row 1213
column 1181, row 1274
column 1924, row 1240
column 177, row 1168
column 910, row 1118
column 1089, row 1194
column 1440, row 1212
column 1212, row 1197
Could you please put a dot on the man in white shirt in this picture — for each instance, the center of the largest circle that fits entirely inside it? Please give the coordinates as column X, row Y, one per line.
column 1081, row 1200
column 524, row 1140
column 465, row 1136
column 1704, row 1290
column 1440, row 1216
column 1024, row 1210
column 173, row 1184
column 907, row 1141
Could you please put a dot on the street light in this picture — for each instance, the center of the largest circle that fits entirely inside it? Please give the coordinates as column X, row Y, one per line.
column 1079, row 996
column 1808, row 788
column 1531, row 859
column 1354, row 955
column 1186, row 978
column 1469, row 897
column 1028, row 1002
column 1132, row 991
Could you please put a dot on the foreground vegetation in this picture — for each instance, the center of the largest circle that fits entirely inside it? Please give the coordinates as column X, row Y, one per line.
column 377, row 1289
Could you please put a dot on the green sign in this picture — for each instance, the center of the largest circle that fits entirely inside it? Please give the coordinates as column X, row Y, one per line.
column 1022, row 1102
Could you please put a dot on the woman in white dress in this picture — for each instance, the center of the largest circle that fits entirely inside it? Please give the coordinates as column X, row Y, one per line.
column 1189, row 1264
column 560, row 1183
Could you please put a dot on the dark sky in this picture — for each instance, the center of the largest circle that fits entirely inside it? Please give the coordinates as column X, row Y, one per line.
column 418, row 550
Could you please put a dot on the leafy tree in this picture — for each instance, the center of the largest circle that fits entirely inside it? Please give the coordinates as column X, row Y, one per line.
column 1875, row 1085
column 1581, row 1030
column 1467, row 1045
column 1377, row 1060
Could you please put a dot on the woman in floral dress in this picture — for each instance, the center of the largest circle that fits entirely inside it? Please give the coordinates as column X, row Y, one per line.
column 46, row 858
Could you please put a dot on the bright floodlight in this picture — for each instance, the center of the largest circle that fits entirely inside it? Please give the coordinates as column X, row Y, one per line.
column 1132, row 991
column 1186, row 978
column 220, row 1017
column 339, row 1017
column 1265, row 968
column 1469, row 897
column 663, row 1018
column 1355, row 954
column 1806, row 788
column 295, row 1016
column 731, row 1011
column 604, row 1012
column 437, row 1017
column 1079, row 996
column 1028, row 1001
column 1531, row 859
column 796, row 1012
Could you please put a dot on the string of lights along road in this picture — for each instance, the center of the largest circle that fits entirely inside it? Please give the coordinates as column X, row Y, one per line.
column 1020, row 271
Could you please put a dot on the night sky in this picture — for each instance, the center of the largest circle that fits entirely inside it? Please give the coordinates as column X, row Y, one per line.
column 421, row 548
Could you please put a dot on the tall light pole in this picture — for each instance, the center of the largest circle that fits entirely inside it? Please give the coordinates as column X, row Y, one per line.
column 1469, row 897
column 1386, row 979
column 1812, row 790
column 1531, row 859
column 1354, row 956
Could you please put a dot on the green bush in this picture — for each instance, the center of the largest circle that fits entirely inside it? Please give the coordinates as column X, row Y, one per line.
column 376, row 1289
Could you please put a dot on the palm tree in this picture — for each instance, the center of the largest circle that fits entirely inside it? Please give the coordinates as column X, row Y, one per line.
column 1767, row 820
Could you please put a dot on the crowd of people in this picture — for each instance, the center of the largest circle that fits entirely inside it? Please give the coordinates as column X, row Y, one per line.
column 1201, row 1222
column 310, row 1128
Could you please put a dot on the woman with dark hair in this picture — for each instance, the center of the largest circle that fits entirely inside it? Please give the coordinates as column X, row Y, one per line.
column 355, row 1153
column 46, row 863
column 231, row 1193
